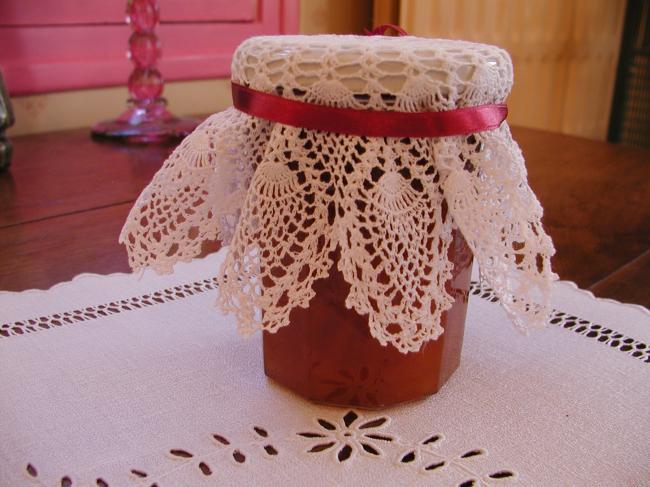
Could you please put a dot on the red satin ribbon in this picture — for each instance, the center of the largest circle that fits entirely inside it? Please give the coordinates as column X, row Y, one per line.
column 371, row 123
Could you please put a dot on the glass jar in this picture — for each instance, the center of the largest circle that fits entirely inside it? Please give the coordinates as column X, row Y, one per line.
column 328, row 355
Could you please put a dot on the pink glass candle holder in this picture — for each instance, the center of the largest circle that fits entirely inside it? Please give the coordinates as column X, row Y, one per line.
column 147, row 118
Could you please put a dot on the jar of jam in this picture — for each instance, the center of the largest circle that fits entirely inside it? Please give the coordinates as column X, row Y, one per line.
column 350, row 180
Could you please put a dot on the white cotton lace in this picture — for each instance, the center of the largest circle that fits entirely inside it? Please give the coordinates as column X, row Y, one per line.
column 286, row 198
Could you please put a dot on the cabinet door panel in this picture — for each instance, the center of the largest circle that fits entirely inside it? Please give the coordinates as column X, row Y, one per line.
column 83, row 44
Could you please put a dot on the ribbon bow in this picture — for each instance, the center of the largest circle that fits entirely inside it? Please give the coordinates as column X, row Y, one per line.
column 380, row 30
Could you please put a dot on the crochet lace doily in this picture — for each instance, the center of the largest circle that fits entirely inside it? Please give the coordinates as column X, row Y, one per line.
column 285, row 198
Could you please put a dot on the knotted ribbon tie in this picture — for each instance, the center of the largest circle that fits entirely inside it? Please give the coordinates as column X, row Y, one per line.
column 380, row 30
column 369, row 123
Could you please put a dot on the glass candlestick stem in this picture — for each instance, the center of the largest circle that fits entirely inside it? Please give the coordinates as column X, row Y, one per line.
column 147, row 118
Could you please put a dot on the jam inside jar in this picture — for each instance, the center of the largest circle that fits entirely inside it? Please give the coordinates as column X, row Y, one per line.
column 327, row 354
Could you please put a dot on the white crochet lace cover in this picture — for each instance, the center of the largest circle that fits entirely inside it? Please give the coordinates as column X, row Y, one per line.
column 285, row 198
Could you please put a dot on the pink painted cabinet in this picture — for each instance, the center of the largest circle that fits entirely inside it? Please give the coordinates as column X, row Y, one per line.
column 48, row 45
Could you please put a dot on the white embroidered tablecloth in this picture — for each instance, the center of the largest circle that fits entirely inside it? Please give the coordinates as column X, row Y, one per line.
column 123, row 380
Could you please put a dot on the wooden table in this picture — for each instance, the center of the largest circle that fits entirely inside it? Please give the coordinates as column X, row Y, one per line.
column 64, row 200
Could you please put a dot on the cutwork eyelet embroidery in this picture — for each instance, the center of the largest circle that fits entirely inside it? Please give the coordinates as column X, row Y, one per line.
column 205, row 461
column 48, row 322
column 348, row 436
column 600, row 333
column 344, row 439
column 353, row 434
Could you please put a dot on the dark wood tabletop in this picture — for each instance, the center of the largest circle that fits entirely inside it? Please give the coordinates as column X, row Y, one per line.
column 66, row 196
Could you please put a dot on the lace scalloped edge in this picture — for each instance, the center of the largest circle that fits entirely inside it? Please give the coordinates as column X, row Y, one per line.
column 140, row 274
column 589, row 294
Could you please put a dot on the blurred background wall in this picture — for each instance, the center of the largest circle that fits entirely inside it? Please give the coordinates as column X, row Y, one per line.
column 565, row 54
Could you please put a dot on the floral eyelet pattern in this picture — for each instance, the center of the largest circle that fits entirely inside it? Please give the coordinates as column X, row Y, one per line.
column 348, row 436
column 353, row 435
column 348, row 439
